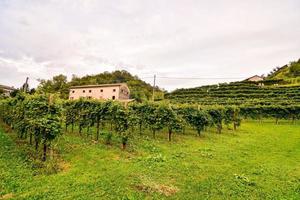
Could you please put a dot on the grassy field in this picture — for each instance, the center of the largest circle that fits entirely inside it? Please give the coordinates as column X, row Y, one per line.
column 259, row 161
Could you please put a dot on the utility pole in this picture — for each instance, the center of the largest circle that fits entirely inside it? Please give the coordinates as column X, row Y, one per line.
column 153, row 88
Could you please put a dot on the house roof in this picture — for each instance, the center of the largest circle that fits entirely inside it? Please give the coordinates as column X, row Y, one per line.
column 100, row 85
column 254, row 77
column 6, row 87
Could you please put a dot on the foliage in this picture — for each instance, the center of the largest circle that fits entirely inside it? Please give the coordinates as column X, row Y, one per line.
column 287, row 71
column 153, row 118
column 39, row 118
column 35, row 116
column 217, row 116
column 1, row 91
column 295, row 68
column 58, row 84
column 199, row 119
column 108, row 137
column 278, row 112
column 232, row 115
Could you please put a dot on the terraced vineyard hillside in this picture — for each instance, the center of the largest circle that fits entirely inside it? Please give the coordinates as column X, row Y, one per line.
column 289, row 74
column 237, row 93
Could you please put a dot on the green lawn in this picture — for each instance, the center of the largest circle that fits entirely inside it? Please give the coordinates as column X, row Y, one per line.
column 259, row 161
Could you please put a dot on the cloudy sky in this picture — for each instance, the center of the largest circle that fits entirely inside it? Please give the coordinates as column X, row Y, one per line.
column 215, row 40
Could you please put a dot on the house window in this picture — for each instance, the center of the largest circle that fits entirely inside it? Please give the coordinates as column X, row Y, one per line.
column 83, row 91
column 73, row 91
column 114, row 90
column 101, row 90
column 113, row 97
column 89, row 97
column 90, row 91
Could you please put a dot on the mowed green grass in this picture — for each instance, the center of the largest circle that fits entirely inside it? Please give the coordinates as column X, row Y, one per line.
column 259, row 161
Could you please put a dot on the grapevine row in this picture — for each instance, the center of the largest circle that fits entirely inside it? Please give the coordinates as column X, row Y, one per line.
column 39, row 119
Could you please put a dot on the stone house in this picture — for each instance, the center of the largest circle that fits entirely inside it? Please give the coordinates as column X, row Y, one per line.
column 116, row 91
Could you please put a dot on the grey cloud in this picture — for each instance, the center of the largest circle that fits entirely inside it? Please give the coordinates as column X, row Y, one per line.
column 168, row 38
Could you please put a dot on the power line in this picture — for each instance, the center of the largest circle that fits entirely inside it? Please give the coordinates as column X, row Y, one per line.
column 197, row 78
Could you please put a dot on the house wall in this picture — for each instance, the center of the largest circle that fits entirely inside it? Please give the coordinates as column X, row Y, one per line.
column 98, row 93
column 124, row 92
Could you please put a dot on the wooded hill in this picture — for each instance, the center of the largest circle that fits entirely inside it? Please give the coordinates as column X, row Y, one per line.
column 289, row 74
column 139, row 89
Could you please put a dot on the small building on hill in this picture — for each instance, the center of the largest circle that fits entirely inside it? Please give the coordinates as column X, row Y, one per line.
column 6, row 89
column 255, row 78
column 116, row 91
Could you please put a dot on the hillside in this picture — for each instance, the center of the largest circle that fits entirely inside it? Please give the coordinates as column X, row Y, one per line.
column 139, row 89
column 289, row 73
column 281, row 87
column 237, row 93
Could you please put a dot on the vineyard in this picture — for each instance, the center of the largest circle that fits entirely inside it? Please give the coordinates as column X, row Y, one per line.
column 237, row 93
column 40, row 119
column 104, row 149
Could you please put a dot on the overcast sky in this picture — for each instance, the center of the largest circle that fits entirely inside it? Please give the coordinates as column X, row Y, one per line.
column 170, row 38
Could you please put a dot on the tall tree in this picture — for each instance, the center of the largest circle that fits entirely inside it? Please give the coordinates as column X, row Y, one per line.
column 58, row 84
